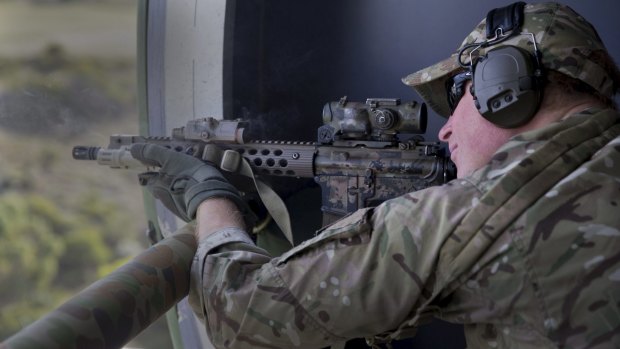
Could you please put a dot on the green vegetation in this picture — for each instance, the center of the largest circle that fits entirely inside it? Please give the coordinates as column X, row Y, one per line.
column 46, row 257
column 64, row 223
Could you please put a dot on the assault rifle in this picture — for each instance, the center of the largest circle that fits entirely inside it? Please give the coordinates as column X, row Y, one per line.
column 365, row 153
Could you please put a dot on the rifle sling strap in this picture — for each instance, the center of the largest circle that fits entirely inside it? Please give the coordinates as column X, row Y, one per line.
column 231, row 161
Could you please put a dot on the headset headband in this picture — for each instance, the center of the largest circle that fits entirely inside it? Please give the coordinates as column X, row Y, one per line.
column 505, row 19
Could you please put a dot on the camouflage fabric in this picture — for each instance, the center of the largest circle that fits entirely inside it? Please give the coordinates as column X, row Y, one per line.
column 564, row 38
column 112, row 311
column 525, row 252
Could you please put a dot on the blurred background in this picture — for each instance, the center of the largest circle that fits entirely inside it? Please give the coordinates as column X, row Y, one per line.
column 67, row 77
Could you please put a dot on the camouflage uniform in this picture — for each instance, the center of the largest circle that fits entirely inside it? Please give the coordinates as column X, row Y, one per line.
column 525, row 252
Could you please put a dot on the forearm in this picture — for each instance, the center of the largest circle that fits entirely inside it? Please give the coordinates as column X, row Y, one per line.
column 318, row 293
column 216, row 214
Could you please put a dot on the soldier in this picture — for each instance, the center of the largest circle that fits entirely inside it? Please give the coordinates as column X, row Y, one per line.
column 523, row 248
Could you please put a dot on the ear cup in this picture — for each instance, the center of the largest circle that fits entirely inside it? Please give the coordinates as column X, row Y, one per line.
column 507, row 86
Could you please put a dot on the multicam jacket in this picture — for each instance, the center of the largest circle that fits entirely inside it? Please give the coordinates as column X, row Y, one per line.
column 525, row 253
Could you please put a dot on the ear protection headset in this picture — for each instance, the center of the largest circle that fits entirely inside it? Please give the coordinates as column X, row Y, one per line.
column 507, row 82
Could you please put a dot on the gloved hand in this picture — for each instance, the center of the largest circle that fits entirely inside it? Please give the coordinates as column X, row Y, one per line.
column 183, row 181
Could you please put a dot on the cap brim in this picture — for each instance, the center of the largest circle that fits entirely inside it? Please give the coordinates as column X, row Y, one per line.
column 430, row 83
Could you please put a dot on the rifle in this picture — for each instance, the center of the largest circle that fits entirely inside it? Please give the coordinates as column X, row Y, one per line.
column 365, row 153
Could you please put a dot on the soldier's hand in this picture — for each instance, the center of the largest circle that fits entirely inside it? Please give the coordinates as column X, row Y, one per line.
column 183, row 181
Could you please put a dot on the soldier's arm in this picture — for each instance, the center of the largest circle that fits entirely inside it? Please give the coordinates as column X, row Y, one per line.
column 362, row 276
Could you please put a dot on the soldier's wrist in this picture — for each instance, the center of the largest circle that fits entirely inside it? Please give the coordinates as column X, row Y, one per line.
column 217, row 213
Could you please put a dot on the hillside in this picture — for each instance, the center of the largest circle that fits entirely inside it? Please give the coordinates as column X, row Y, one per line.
column 67, row 77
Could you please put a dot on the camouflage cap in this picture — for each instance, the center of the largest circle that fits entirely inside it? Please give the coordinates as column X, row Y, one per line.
column 564, row 38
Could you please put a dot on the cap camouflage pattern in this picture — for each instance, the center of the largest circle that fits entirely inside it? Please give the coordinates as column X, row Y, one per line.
column 564, row 38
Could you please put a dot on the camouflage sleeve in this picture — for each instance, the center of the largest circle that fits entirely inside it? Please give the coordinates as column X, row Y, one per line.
column 113, row 310
column 362, row 276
